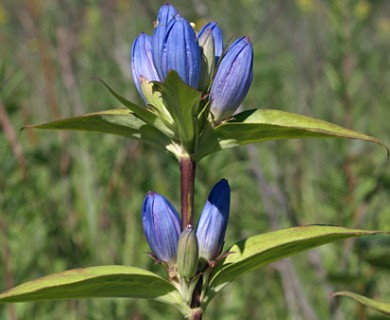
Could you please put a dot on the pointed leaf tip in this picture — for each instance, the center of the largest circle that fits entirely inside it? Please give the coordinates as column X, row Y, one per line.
column 93, row 282
column 144, row 114
column 257, row 251
column 113, row 281
column 380, row 306
column 115, row 121
column 260, row 125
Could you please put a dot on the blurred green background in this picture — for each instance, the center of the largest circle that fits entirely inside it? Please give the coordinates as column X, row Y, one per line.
column 70, row 199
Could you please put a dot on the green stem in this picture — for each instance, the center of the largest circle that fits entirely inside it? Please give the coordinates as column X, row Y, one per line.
column 187, row 183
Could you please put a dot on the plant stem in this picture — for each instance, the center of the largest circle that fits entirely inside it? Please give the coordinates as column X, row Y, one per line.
column 197, row 314
column 187, row 183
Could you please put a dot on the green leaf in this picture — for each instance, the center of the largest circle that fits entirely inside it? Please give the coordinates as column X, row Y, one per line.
column 257, row 251
column 382, row 307
column 141, row 112
column 97, row 282
column 115, row 121
column 182, row 102
column 265, row 124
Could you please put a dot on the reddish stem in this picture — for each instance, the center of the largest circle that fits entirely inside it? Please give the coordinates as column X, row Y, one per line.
column 197, row 315
column 187, row 183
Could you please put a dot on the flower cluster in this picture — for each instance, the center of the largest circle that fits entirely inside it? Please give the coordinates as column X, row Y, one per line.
column 199, row 59
column 186, row 250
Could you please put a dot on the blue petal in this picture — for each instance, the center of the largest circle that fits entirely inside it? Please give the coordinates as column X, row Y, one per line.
column 233, row 79
column 161, row 225
column 142, row 61
column 213, row 221
column 181, row 51
column 217, row 37
column 166, row 13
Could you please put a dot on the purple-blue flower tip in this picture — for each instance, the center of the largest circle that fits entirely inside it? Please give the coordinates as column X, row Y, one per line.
column 217, row 37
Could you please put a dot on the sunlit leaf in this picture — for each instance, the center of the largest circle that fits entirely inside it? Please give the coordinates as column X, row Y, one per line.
column 265, row 125
column 97, row 282
column 382, row 307
column 115, row 121
column 257, row 251
column 142, row 112
column 182, row 102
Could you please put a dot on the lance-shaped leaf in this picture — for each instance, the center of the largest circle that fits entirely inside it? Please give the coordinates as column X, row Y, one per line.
column 182, row 102
column 115, row 121
column 257, row 251
column 97, row 282
column 144, row 114
column 264, row 125
column 382, row 307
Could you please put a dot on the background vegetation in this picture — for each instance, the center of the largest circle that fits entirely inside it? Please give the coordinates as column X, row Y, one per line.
column 70, row 199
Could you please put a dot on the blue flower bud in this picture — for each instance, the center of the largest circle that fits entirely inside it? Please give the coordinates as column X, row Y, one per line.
column 161, row 227
column 142, row 62
column 206, row 42
column 233, row 79
column 217, row 37
column 213, row 221
column 166, row 13
column 181, row 52
column 211, row 42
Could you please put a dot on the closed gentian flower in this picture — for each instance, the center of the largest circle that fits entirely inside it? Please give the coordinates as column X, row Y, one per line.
column 213, row 221
column 210, row 40
column 142, row 62
column 166, row 13
column 216, row 33
column 181, row 52
column 232, row 80
column 161, row 227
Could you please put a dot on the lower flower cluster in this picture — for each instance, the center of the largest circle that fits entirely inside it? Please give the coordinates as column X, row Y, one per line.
column 190, row 251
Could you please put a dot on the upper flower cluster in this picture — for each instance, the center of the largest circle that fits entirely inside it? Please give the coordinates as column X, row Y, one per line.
column 199, row 59
column 171, row 245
